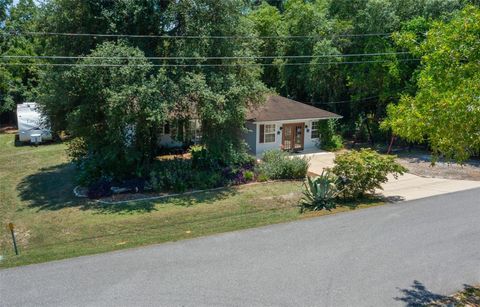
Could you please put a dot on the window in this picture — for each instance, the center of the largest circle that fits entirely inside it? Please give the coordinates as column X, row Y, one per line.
column 315, row 131
column 267, row 133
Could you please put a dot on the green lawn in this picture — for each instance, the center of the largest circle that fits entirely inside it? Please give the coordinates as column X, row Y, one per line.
column 36, row 195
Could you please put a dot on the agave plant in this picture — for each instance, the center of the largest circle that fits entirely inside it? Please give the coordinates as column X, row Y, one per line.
column 320, row 193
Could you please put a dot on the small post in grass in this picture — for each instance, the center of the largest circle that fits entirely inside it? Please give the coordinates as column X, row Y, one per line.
column 11, row 227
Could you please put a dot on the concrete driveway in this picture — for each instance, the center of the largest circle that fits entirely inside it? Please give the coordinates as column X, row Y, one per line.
column 406, row 187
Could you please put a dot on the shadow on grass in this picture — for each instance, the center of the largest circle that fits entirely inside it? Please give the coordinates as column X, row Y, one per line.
column 419, row 295
column 122, row 208
column 207, row 197
column 50, row 189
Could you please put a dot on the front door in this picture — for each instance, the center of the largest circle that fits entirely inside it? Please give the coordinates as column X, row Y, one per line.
column 293, row 136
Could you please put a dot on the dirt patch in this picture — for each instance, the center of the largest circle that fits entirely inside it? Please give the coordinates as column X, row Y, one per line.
column 420, row 164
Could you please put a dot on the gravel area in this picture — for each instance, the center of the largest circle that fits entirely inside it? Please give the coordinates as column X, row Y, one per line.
column 420, row 164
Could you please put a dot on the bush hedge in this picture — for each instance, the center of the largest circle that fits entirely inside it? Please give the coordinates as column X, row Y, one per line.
column 330, row 140
column 278, row 164
column 202, row 171
column 364, row 171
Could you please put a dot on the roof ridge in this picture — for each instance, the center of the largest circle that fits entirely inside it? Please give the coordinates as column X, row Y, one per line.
column 278, row 108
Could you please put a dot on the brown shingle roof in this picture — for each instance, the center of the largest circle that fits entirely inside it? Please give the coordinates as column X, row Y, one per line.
column 281, row 108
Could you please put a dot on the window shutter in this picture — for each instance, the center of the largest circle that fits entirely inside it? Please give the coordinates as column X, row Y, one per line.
column 262, row 134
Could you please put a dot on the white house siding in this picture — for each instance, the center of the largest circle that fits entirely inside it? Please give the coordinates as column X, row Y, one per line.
column 261, row 147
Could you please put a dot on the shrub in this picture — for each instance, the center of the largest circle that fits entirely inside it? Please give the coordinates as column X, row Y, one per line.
column 277, row 164
column 206, row 180
column 172, row 175
column 364, row 171
column 262, row 178
column 179, row 175
column 249, row 175
column 241, row 159
column 201, row 159
column 334, row 144
column 319, row 193
column 329, row 139
column 202, row 171
column 100, row 188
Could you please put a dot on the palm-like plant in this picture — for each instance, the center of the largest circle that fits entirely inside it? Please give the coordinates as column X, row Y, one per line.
column 320, row 193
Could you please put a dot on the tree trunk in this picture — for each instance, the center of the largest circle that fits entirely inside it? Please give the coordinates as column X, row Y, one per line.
column 369, row 130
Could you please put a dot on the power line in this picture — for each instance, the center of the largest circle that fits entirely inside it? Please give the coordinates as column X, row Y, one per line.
column 345, row 101
column 201, row 58
column 353, row 100
column 13, row 33
column 200, row 65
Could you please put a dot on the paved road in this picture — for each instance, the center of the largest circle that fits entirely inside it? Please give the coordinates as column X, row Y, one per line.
column 367, row 257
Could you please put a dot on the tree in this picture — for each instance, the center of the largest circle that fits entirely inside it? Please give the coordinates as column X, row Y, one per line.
column 17, row 82
column 267, row 22
column 207, row 84
column 113, row 110
column 3, row 9
column 445, row 111
column 308, row 21
column 222, row 89
column 66, row 16
column 383, row 77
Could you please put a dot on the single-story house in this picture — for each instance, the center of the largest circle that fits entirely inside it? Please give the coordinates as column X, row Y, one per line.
column 286, row 124
column 279, row 123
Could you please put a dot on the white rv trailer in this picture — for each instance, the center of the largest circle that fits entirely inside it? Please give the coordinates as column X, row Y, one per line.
column 32, row 126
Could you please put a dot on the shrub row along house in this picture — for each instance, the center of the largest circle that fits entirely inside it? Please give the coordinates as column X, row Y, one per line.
column 279, row 123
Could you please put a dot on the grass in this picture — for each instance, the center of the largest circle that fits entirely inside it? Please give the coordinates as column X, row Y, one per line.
column 36, row 195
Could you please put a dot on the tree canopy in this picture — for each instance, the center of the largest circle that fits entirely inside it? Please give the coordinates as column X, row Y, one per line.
column 116, row 89
column 113, row 112
column 17, row 83
column 445, row 111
